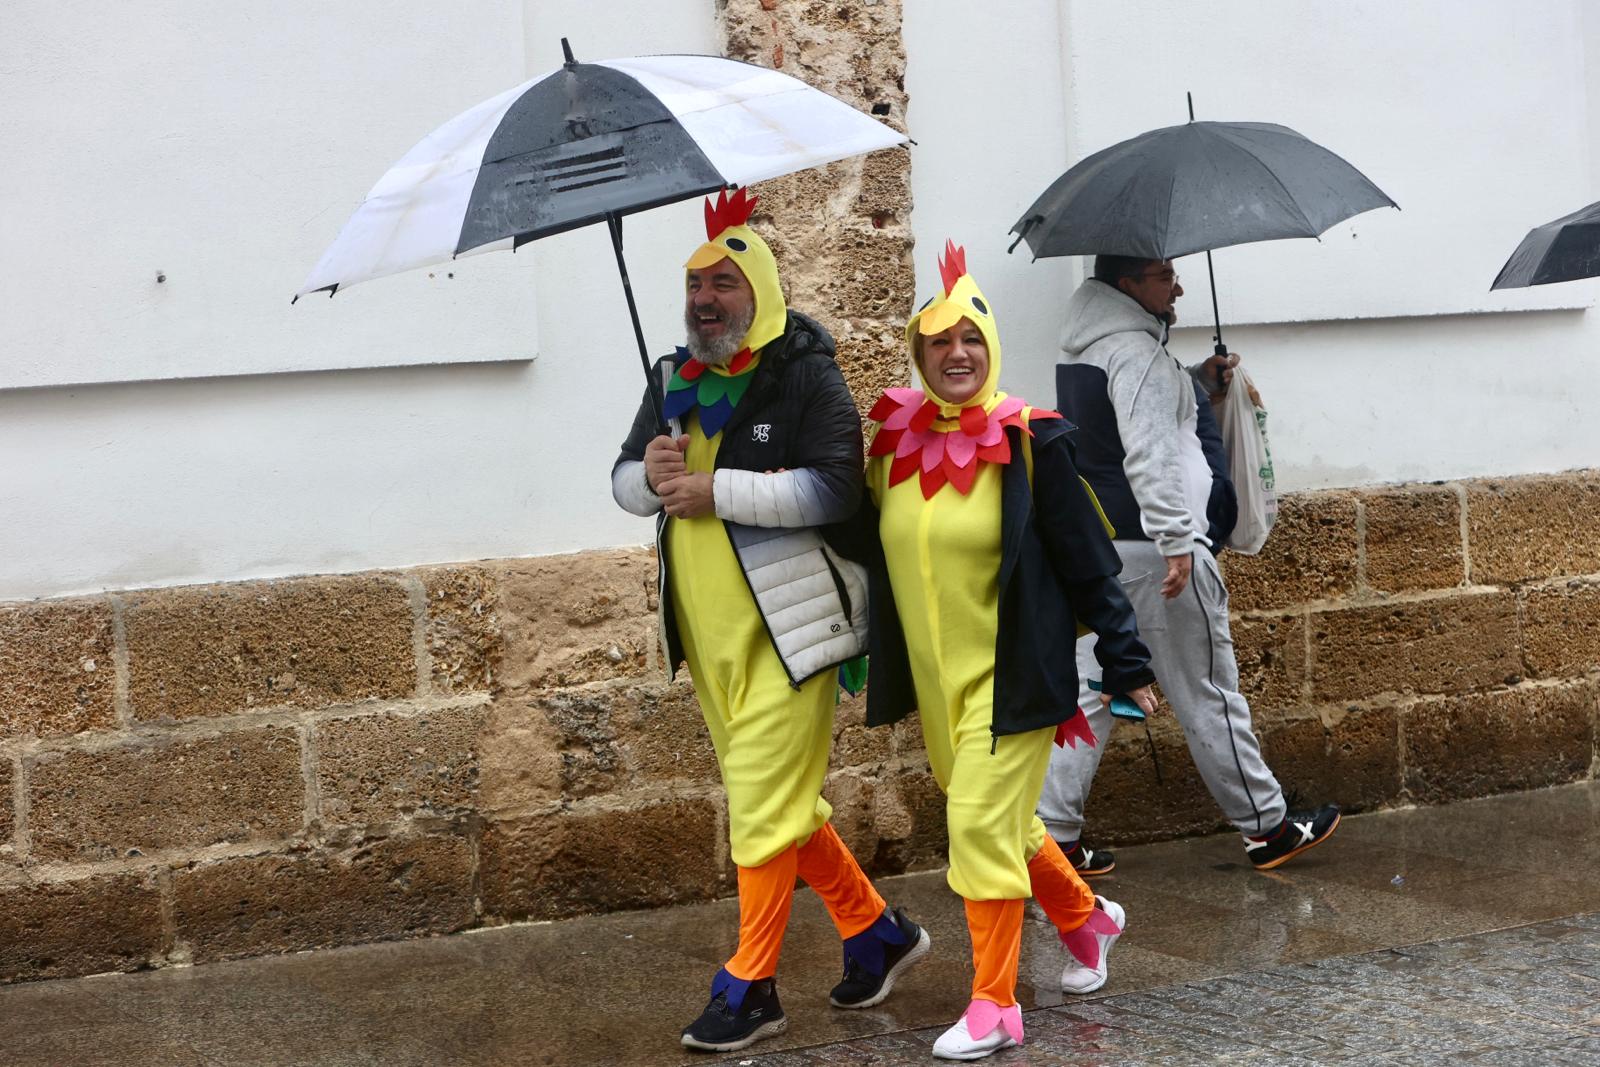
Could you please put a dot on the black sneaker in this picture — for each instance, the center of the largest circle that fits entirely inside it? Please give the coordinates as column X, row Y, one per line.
column 724, row 1029
column 1087, row 861
column 1300, row 831
column 861, row 987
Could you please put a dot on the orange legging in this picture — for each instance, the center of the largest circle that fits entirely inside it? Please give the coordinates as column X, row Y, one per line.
column 766, row 894
column 996, row 925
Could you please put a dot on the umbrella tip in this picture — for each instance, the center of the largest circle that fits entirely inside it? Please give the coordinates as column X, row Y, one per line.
column 1190, row 97
column 566, row 50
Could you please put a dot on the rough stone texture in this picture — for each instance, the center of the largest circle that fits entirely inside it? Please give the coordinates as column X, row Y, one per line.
column 1561, row 629
column 550, row 867
column 1128, row 805
column 123, row 801
column 615, row 735
column 1533, row 527
column 95, row 924
column 463, row 636
column 1413, row 538
column 909, row 822
column 571, row 620
column 854, row 813
column 1441, row 645
column 1311, row 555
column 1271, row 653
column 855, row 744
column 841, row 233
column 399, row 887
column 56, row 671
column 1522, row 738
column 305, row 642
column 7, row 806
column 373, row 768
column 1348, row 757
column 520, row 759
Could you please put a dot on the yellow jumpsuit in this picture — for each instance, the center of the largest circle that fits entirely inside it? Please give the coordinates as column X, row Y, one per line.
column 772, row 743
column 944, row 559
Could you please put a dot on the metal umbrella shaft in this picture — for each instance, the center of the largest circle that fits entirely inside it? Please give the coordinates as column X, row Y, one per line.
column 1211, row 275
column 614, row 225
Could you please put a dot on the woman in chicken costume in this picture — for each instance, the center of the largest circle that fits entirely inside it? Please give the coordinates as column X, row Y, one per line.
column 994, row 554
column 762, row 607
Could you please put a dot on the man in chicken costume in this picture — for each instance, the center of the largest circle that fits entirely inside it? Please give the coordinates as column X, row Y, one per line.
column 994, row 554
column 762, row 607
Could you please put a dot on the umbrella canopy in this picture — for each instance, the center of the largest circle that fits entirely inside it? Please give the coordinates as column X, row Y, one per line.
column 1196, row 187
column 585, row 143
column 1559, row 251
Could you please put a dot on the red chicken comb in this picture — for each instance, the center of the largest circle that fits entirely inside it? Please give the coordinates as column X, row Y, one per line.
column 728, row 211
column 952, row 265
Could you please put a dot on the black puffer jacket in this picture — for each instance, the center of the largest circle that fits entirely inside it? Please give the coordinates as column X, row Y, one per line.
column 797, row 417
column 1057, row 569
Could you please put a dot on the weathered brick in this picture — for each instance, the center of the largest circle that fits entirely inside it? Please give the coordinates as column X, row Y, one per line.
column 521, row 761
column 1271, row 653
column 1310, row 555
column 372, row 768
column 7, row 804
column 615, row 734
column 855, row 744
column 1129, row 806
column 307, row 642
column 1537, row 526
column 555, row 866
column 1521, row 738
column 86, row 926
column 1561, row 629
column 114, row 802
column 1413, row 538
column 1440, row 645
column 393, row 888
column 570, row 620
column 909, row 821
column 56, row 671
column 1352, row 759
column 854, row 813
column 463, row 635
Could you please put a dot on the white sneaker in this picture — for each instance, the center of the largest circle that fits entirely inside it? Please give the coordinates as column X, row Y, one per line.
column 1002, row 1029
column 1089, row 945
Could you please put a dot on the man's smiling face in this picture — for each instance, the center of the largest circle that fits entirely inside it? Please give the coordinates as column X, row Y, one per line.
column 718, row 311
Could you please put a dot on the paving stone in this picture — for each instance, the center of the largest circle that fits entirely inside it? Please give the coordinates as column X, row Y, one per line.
column 56, row 668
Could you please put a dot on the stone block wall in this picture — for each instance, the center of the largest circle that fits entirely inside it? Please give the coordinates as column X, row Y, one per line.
column 203, row 773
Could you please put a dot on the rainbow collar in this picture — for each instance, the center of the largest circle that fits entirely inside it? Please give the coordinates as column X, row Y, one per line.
column 715, row 394
column 946, row 451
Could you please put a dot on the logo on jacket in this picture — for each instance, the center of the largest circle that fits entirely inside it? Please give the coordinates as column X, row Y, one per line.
column 760, row 431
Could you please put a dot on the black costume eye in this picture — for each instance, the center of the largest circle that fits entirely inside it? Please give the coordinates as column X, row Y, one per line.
column 736, row 244
column 980, row 305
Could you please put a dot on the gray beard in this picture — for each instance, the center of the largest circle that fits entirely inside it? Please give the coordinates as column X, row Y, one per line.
column 717, row 353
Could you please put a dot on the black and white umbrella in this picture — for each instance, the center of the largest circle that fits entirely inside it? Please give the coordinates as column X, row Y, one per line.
column 585, row 143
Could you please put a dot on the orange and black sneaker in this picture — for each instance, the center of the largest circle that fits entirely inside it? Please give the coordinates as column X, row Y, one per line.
column 1298, row 832
column 1088, row 862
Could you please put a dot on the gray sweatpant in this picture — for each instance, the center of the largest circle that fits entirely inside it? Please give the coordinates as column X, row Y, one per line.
column 1191, row 652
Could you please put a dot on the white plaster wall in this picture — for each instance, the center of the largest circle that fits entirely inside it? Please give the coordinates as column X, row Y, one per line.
column 1379, row 399
column 170, row 482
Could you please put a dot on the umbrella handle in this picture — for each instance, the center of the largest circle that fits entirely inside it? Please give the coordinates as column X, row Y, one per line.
column 1219, row 348
column 614, row 225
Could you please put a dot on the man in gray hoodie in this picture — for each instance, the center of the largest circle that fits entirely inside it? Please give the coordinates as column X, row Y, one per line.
column 1136, row 412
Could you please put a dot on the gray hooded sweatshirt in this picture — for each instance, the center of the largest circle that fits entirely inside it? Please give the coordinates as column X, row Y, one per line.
column 1134, row 406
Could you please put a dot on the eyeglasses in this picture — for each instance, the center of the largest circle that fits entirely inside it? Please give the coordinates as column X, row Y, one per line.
column 1170, row 277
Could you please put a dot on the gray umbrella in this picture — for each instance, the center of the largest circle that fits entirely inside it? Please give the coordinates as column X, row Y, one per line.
column 1559, row 251
column 1196, row 187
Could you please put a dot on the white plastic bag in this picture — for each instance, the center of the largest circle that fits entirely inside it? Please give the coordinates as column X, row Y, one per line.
column 1244, row 432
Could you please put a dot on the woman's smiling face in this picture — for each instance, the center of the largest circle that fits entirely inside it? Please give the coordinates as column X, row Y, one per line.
column 955, row 363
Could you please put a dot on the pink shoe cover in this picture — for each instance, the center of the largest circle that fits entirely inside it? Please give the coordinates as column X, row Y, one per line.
column 984, row 1015
column 1082, row 943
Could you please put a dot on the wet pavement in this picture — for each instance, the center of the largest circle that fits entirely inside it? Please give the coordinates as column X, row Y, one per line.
column 1404, row 939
